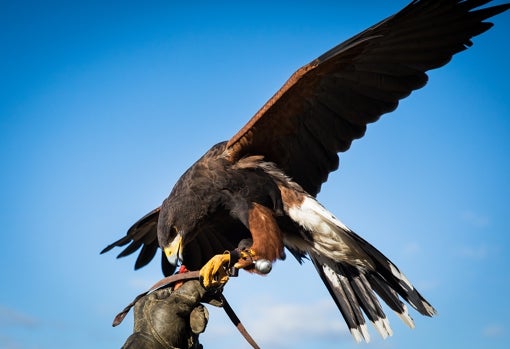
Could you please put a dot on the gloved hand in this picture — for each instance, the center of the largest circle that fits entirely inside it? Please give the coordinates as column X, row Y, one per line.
column 167, row 319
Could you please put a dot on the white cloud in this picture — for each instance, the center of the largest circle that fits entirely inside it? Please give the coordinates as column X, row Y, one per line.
column 427, row 285
column 479, row 252
column 281, row 324
column 494, row 330
column 11, row 317
column 141, row 284
column 9, row 343
column 412, row 249
column 475, row 219
column 290, row 316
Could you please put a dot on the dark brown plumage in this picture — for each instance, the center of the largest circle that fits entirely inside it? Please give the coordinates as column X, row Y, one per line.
column 262, row 183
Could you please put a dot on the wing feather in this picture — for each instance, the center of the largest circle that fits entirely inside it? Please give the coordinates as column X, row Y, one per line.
column 142, row 233
column 355, row 83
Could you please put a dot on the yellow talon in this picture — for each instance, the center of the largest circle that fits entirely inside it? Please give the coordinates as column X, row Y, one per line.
column 214, row 272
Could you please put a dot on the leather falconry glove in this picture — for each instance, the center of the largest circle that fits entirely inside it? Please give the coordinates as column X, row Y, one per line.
column 168, row 319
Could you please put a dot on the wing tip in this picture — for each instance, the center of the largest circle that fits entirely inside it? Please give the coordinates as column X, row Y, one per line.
column 107, row 248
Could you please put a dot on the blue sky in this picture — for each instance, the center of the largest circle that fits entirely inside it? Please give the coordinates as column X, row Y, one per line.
column 104, row 104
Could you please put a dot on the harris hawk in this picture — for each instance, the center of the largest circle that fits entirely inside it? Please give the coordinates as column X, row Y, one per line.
column 261, row 185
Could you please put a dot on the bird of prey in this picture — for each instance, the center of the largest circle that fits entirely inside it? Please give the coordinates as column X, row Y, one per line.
column 259, row 188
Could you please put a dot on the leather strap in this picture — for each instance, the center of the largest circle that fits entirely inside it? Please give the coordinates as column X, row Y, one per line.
column 237, row 323
column 165, row 282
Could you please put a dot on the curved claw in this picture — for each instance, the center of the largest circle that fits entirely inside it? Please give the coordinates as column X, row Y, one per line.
column 246, row 259
column 214, row 272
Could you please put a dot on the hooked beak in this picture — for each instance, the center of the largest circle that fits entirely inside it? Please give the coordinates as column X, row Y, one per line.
column 173, row 251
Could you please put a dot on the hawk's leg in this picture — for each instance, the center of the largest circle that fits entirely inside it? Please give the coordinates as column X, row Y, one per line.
column 216, row 272
column 266, row 234
column 267, row 244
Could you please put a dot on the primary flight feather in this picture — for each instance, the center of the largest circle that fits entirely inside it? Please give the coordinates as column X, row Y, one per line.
column 261, row 185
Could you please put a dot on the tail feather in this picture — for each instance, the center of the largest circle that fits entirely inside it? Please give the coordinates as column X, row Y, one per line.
column 390, row 275
column 354, row 295
column 371, row 305
column 356, row 274
column 390, row 297
column 345, row 299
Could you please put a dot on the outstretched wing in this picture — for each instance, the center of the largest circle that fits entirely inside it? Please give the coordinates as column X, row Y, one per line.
column 142, row 234
column 328, row 103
